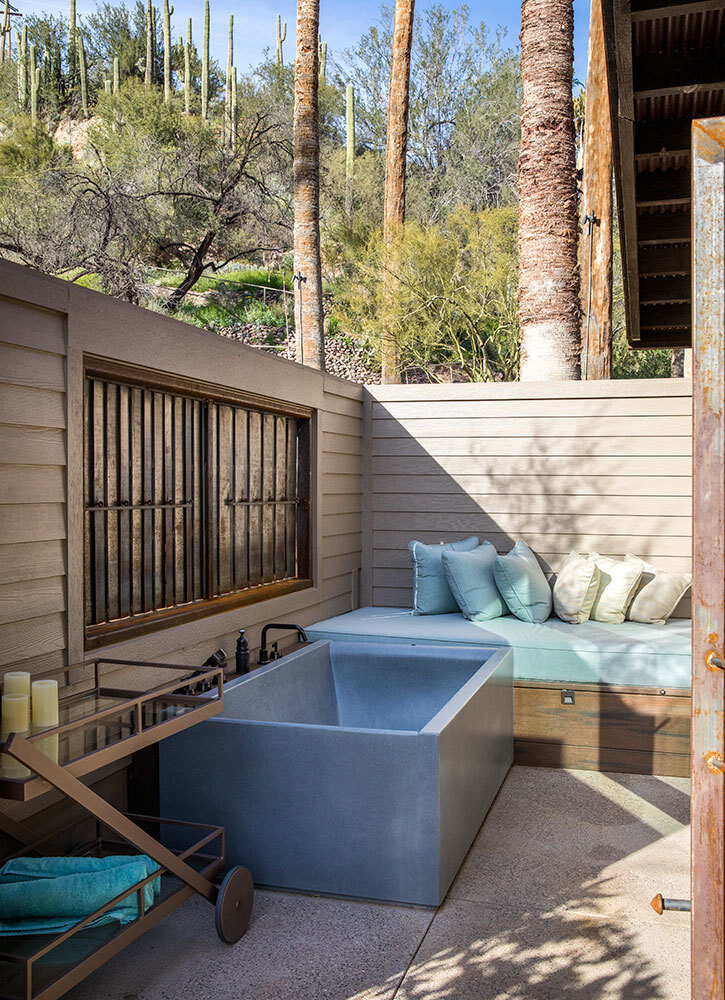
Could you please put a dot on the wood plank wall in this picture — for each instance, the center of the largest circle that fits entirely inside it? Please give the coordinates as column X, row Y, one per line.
column 41, row 589
column 596, row 466
column 32, row 487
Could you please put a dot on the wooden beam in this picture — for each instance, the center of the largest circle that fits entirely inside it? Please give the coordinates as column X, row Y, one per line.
column 663, row 187
column 595, row 255
column 668, row 339
column 618, row 46
column 658, row 136
column 647, row 10
column 693, row 71
column 672, row 227
column 660, row 289
column 664, row 260
column 677, row 316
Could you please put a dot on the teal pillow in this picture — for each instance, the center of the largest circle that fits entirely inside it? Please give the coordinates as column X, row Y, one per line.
column 470, row 577
column 522, row 584
column 431, row 593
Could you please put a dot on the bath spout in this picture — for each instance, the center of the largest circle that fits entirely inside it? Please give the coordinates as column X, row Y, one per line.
column 264, row 654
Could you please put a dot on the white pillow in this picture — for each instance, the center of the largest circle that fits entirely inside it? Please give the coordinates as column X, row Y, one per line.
column 576, row 587
column 658, row 594
column 617, row 584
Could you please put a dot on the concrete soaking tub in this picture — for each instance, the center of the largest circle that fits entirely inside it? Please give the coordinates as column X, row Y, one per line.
column 351, row 769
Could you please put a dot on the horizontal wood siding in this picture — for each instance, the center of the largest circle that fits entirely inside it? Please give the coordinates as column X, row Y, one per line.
column 591, row 466
column 41, row 496
column 32, row 485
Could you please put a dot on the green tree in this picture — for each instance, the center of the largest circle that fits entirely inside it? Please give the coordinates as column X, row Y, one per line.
column 453, row 301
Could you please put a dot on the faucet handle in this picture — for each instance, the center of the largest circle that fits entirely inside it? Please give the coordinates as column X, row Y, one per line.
column 275, row 654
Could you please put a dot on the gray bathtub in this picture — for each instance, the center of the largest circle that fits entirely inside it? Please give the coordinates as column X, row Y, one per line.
column 351, row 769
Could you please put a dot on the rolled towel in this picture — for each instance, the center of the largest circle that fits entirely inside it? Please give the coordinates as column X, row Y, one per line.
column 50, row 895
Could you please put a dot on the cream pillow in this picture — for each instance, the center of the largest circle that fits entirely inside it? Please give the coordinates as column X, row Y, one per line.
column 658, row 594
column 576, row 587
column 617, row 584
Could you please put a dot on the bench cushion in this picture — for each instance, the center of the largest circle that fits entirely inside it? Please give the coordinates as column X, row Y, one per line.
column 594, row 652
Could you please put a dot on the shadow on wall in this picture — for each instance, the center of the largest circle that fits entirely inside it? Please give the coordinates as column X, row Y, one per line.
column 611, row 475
column 552, row 901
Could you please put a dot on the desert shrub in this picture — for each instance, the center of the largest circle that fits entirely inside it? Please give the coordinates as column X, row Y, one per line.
column 445, row 294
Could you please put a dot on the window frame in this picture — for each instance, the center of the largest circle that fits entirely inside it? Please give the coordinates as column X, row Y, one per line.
column 107, row 633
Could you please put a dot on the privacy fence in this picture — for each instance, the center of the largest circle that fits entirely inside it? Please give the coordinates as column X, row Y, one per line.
column 601, row 466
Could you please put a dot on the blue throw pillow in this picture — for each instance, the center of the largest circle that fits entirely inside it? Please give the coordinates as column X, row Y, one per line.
column 522, row 584
column 470, row 577
column 431, row 593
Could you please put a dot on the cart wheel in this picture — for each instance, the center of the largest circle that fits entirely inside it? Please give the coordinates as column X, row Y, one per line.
column 234, row 904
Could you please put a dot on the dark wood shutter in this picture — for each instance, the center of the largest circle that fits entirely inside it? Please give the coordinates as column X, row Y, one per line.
column 143, row 501
column 189, row 502
column 259, row 494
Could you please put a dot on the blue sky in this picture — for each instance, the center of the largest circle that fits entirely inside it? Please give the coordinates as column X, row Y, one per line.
column 341, row 23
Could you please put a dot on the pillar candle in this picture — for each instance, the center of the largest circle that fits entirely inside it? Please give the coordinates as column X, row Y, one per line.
column 15, row 713
column 45, row 704
column 16, row 682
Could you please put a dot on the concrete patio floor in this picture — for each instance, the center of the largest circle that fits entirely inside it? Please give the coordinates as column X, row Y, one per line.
column 551, row 902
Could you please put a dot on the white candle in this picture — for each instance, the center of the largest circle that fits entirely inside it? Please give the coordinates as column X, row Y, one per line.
column 15, row 713
column 16, row 682
column 45, row 704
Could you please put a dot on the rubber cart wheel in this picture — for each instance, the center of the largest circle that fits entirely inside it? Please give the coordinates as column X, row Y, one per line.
column 234, row 904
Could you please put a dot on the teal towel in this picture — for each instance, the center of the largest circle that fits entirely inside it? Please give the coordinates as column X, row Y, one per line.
column 50, row 895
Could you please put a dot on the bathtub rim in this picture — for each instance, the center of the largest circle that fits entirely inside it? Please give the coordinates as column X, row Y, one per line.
column 491, row 660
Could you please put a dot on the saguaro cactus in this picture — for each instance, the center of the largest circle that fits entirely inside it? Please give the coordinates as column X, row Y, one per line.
column 228, row 94
column 350, row 146
column 154, row 45
column 205, row 64
column 84, row 74
column 281, row 35
column 34, row 81
column 233, row 116
column 116, row 75
column 168, row 11
column 6, row 38
column 149, row 69
column 23, row 68
column 187, row 68
column 72, row 54
column 322, row 58
column 107, row 86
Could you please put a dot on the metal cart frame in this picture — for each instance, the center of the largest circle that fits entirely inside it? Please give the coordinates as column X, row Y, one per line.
column 232, row 899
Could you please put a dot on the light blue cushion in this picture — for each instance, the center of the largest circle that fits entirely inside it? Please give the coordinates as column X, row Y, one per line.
column 632, row 654
column 470, row 577
column 431, row 593
column 522, row 584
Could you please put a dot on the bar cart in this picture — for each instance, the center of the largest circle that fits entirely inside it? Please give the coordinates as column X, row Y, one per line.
column 100, row 724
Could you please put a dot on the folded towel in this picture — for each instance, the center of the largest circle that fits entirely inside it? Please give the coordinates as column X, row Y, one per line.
column 50, row 895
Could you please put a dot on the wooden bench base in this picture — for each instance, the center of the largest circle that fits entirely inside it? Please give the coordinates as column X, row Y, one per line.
column 634, row 730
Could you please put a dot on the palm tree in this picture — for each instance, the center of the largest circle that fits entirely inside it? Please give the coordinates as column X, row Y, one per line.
column 548, row 224
column 396, row 155
column 309, row 319
column 596, row 247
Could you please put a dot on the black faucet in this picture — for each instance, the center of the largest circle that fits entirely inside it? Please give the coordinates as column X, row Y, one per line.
column 264, row 654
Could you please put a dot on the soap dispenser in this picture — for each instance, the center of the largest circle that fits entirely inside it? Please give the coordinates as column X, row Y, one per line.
column 242, row 653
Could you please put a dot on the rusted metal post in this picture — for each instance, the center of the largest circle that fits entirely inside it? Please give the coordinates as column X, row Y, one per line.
column 708, row 604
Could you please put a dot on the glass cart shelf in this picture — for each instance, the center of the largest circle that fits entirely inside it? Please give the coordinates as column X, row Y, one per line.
column 100, row 724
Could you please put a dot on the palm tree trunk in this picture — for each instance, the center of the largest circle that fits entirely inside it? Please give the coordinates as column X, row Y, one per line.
column 309, row 320
column 596, row 267
column 548, row 225
column 395, row 159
